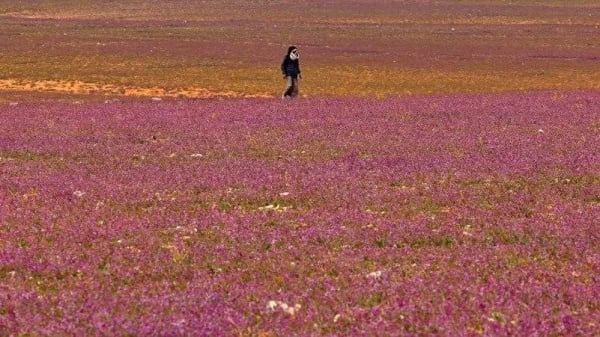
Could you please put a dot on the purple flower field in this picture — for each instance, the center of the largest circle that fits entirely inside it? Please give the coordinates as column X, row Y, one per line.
column 459, row 215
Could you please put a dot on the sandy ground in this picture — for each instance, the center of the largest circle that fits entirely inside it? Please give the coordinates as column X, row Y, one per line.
column 79, row 87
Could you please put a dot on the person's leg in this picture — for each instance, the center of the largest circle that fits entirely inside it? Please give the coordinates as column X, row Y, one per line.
column 289, row 87
column 295, row 88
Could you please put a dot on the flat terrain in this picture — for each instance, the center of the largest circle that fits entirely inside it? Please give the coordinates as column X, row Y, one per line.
column 358, row 48
column 462, row 215
column 440, row 176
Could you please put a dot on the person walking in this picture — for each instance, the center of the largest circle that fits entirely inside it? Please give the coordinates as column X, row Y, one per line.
column 290, row 67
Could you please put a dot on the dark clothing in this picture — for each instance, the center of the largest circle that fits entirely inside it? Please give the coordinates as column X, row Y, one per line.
column 291, row 87
column 290, row 67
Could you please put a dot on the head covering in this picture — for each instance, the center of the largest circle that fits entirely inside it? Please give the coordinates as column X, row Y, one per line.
column 293, row 53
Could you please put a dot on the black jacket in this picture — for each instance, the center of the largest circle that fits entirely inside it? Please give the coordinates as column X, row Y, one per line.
column 290, row 67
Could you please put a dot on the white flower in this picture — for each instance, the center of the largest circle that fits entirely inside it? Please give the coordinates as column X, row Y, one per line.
column 274, row 207
column 78, row 194
column 267, row 207
column 292, row 310
column 273, row 305
column 376, row 274
column 179, row 323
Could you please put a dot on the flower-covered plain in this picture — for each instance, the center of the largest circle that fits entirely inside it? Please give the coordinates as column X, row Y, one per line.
column 427, row 215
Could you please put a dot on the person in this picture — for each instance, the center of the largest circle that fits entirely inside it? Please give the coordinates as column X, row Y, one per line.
column 290, row 67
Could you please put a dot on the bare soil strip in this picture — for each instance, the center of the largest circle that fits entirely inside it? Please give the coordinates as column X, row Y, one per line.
column 79, row 87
